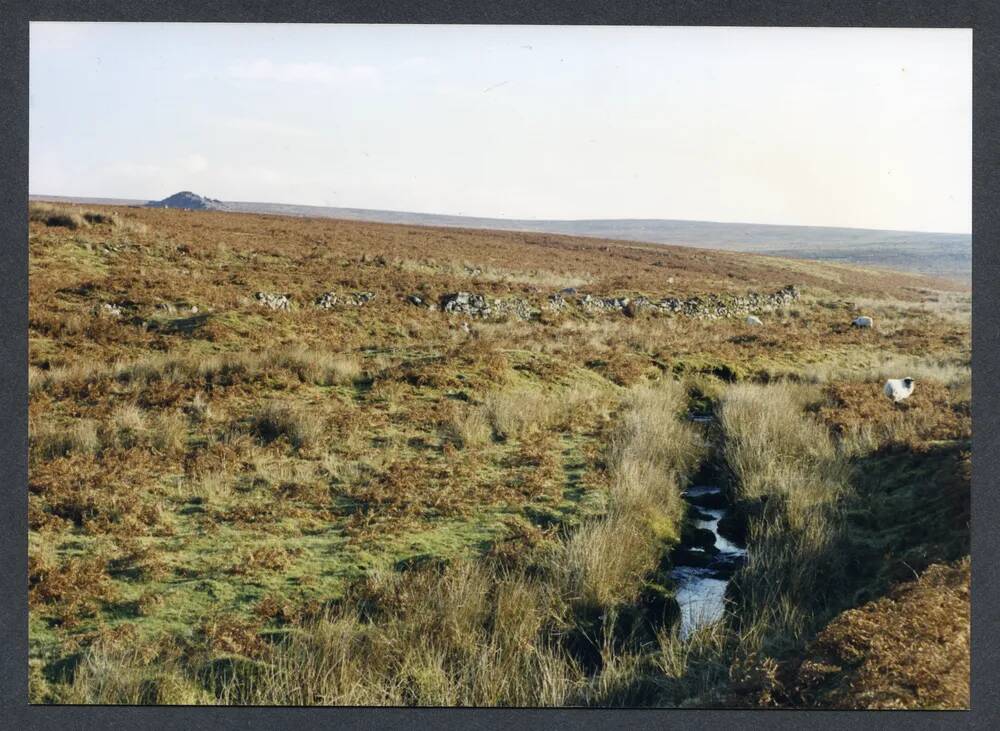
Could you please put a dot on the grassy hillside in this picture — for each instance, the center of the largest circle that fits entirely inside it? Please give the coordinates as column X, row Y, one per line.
column 935, row 254
column 237, row 495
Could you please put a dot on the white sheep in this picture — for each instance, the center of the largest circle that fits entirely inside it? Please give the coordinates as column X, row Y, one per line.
column 863, row 321
column 898, row 389
column 753, row 320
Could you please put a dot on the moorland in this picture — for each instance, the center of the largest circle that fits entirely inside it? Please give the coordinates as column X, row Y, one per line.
column 276, row 460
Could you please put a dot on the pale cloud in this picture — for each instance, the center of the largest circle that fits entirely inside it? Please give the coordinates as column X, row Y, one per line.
column 309, row 73
column 183, row 172
column 194, row 163
column 257, row 126
column 421, row 64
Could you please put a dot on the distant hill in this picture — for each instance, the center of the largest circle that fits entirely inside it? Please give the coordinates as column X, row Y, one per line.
column 189, row 201
column 939, row 254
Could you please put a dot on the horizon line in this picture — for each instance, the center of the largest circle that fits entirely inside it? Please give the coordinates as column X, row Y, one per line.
column 510, row 219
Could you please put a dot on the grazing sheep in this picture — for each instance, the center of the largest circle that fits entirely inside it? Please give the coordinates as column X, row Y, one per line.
column 898, row 389
column 863, row 321
column 752, row 320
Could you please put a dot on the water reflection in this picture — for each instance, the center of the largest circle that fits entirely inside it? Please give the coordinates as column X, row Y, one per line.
column 701, row 589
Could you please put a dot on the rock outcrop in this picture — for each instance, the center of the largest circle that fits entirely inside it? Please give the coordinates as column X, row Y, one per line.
column 189, row 201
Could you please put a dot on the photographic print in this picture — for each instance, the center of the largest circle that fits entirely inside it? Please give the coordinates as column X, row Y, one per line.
column 499, row 366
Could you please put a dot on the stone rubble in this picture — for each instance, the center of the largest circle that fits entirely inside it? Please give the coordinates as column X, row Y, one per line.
column 274, row 301
column 710, row 306
column 480, row 306
column 557, row 303
column 110, row 309
column 329, row 300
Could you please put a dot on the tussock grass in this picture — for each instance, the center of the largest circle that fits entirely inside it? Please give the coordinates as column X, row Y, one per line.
column 52, row 215
column 524, row 413
column 774, row 449
column 318, row 368
column 922, row 368
column 128, row 426
column 119, row 673
column 478, row 633
column 210, row 486
column 169, row 432
column 651, row 446
column 603, row 563
column 418, row 473
column 463, row 637
column 74, row 218
column 469, row 426
column 650, row 452
column 498, row 275
column 49, row 441
column 274, row 419
column 323, row 369
column 785, row 462
column 953, row 307
column 517, row 414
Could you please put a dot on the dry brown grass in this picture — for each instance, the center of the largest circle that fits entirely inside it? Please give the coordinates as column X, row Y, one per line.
column 651, row 452
column 791, row 479
column 470, row 426
column 774, row 448
column 274, row 420
column 52, row 215
column 324, row 444
column 866, row 421
column 908, row 650
column 49, row 441
column 74, row 217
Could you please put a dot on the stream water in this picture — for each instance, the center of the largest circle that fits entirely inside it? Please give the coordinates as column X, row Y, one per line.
column 702, row 574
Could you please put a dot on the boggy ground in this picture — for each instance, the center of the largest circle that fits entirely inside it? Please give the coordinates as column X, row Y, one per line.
column 224, row 497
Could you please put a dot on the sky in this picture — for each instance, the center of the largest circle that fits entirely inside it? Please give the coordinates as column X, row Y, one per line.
column 867, row 128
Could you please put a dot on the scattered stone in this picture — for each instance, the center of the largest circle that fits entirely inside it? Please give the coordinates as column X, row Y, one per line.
column 326, row 301
column 465, row 302
column 274, row 301
column 482, row 307
column 702, row 538
column 329, row 300
column 359, row 299
column 110, row 309
column 691, row 557
column 556, row 302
